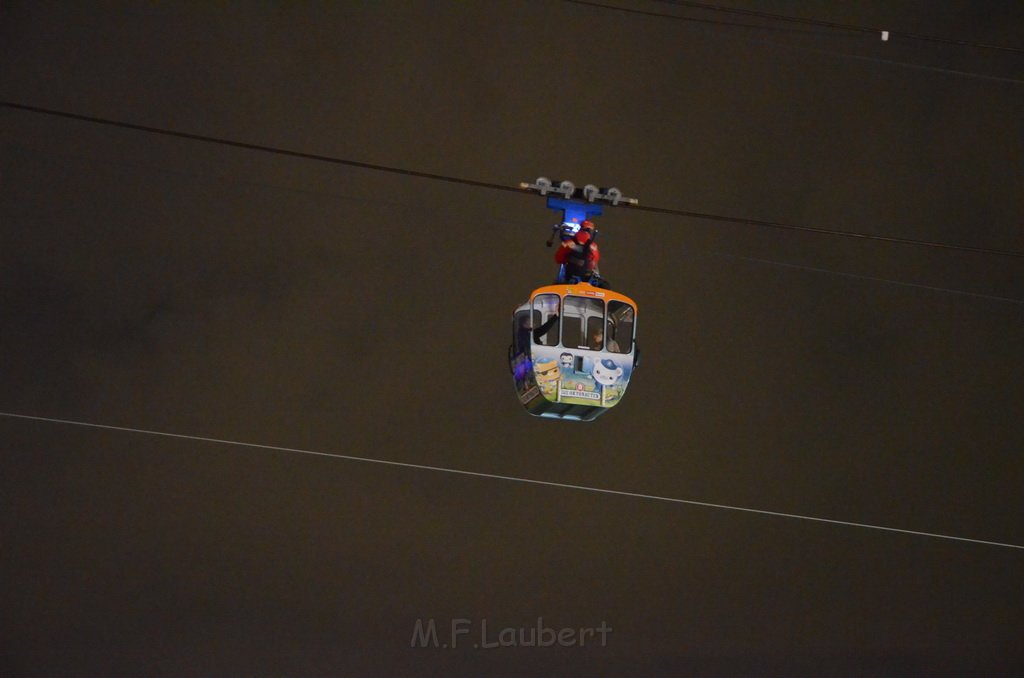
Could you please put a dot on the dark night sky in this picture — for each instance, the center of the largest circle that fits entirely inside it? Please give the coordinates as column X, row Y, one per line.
column 187, row 287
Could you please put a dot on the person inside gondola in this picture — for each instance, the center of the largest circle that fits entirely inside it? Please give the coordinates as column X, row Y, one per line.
column 523, row 332
column 542, row 335
column 597, row 340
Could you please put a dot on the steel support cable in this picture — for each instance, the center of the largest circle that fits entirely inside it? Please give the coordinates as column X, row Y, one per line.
column 844, row 55
column 494, row 186
column 500, row 220
column 833, row 25
column 516, row 479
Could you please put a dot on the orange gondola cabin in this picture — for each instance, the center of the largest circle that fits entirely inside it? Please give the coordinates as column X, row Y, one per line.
column 573, row 350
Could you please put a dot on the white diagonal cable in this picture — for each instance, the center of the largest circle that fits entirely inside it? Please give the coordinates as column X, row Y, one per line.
column 493, row 476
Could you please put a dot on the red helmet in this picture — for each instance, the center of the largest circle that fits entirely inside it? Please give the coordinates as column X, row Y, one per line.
column 586, row 232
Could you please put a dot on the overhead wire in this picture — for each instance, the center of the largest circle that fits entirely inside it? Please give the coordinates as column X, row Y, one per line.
column 834, row 25
column 493, row 185
column 505, row 221
column 806, row 48
column 840, row 26
column 825, row 231
column 516, row 479
column 163, row 131
column 891, row 62
column 857, row 276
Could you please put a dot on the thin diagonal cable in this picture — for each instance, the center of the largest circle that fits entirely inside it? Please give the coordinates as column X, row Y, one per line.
column 495, row 186
column 499, row 220
column 516, row 479
column 642, row 12
column 805, row 48
column 906, row 65
column 840, row 26
column 257, row 147
column 823, row 231
column 891, row 62
column 857, row 276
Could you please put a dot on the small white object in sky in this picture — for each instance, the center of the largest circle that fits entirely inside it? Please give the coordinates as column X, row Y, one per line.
column 885, row 36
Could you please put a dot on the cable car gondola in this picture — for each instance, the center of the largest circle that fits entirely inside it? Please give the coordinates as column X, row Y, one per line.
column 574, row 344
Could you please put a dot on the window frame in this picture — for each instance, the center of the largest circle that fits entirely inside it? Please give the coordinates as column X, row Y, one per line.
column 585, row 318
column 608, row 325
column 537, row 319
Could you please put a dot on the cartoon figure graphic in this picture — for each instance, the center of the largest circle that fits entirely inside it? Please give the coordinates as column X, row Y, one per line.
column 548, row 376
column 606, row 373
column 566, row 360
